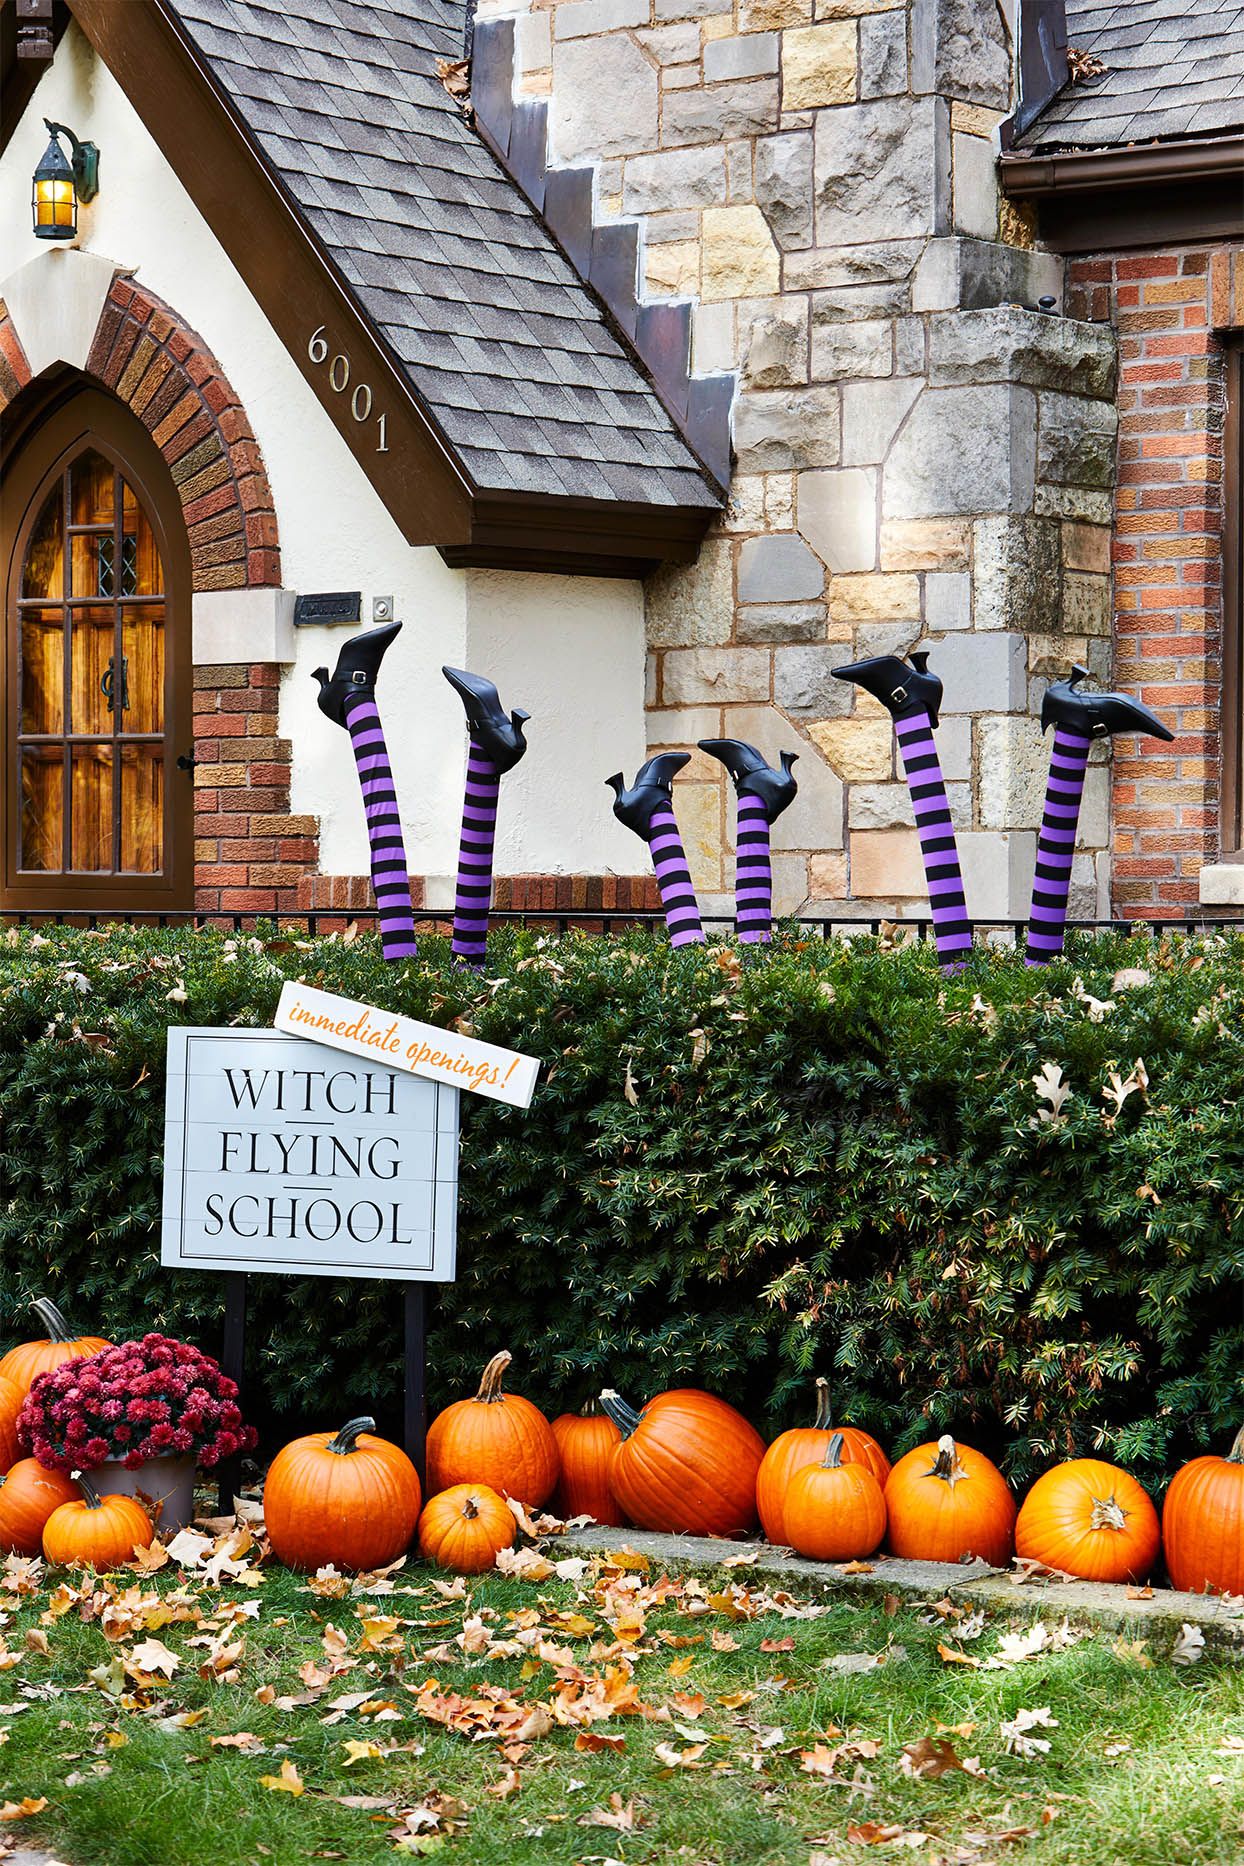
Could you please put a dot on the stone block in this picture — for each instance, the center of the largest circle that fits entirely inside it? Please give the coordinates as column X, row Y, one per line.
column 838, row 517
column 673, row 45
column 783, row 183
column 975, row 187
column 585, row 18
column 781, row 622
column 533, row 38
column 924, row 544
column 1074, row 502
column 879, row 806
column 963, row 450
column 772, row 15
column 1221, row 884
column 1012, row 765
column 712, row 338
column 803, row 683
column 779, row 569
column 954, row 748
column 1094, row 824
column 827, row 877
column 739, row 170
column 1017, row 575
column 1086, row 547
column 790, row 882
column 947, row 600
column 887, row 863
column 818, row 65
column 814, row 819
column 673, row 269
column 692, row 9
column 874, row 598
column 859, row 750
column 713, row 676
column 1076, row 442
column 692, row 605
column 604, row 99
column 752, row 55
column 997, row 867
column 883, row 54
column 673, row 179
column 684, row 726
column 698, row 807
column 774, row 349
column 872, row 414
column 787, row 428
column 841, row 351
column 970, row 275
column 830, row 268
column 909, row 346
column 1008, row 344
column 738, row 257
column 851, row 304
column 1086, row 604
column 882, row 172
column 983, row 673
column 746, row 107
column 959, row 49
column 873, row 638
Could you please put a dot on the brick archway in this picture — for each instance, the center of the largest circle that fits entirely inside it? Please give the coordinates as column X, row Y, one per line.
column 164, row 372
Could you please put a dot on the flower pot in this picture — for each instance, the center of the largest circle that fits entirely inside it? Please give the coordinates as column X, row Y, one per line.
column 167, row 1481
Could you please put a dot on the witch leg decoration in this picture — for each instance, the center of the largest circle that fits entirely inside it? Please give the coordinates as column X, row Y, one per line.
column 497, row 744
column 349, row 700
column 912, row 696
column 763, row 794
column 648, row 809
column 1078, row 718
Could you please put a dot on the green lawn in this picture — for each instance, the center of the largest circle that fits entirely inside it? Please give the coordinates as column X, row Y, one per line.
column 742, row 1710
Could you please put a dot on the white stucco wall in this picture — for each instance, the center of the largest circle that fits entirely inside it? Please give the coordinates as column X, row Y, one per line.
column 336, row 535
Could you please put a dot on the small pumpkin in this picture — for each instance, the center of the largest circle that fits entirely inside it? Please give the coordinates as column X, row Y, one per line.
column 465, row 1527
column 585, row 1444
column 25, row 1362
column 29, row 1492
column 498, row 1439
column 1090, row 1519
column 804, row 1445
column 1203, row 1524
column 834, row 1511
column 946, row 1502
column 687, row 1463
column 12, row 1399
column 347, row 1498
column 96, row 1532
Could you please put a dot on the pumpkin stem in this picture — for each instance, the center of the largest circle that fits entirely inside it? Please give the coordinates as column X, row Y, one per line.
column 1107, row 1514
column 490, row 1380
column 821, row 1422
column 52, row 1319
column 832, row 1461
column 624, row 1417
column 470, row 1509
column 90, row 1496
column 1236, row 1453
column 346, row 1440
column 947, row 1464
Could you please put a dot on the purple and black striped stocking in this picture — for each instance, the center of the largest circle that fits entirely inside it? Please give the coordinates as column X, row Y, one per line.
column 669, row 863
column 390, row 879
column 1056, row 845
column 952, row 931
column 473, row 895
column 753, row 874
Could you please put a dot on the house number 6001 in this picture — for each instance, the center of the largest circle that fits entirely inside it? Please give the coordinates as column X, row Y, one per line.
column 339, row 382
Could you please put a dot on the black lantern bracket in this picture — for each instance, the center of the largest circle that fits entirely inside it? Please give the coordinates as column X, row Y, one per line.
column 84, row 161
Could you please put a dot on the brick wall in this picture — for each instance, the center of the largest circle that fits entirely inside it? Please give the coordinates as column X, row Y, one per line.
column 1168, row 562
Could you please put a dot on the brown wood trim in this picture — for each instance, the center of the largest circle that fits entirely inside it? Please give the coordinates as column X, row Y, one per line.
column 1233, row 602
column 19, row 77
column 583, row 537
column 92, row 418
column 1070, row 171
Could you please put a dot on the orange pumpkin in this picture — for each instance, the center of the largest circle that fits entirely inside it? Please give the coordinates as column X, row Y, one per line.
column 946, row 1502
column 1203, row 1524
column 345, row 1498
column 585, row 1444
column 465, row 1527
column 1089, row 1519
column 28, row 1495
column 805, row 1445
column 834, row 1511
column 30, row 1358
column 686, row 1463
column 498, row 1439
column 98, row 1532
column 12, row 1399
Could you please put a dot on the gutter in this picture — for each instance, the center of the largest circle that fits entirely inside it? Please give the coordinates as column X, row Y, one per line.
column 1139, row 165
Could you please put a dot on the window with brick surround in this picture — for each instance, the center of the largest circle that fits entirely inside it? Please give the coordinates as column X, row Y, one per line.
column 1233, row 604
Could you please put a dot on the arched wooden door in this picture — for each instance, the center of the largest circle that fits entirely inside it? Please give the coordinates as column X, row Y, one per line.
column 98, row 813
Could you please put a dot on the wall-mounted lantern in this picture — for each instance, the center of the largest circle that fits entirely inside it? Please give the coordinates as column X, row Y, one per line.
column 60, row 183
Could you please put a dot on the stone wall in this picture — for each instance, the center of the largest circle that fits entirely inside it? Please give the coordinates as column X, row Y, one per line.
column 913, row 461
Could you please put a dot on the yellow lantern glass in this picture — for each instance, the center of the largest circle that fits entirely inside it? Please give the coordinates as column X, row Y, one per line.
column 55, row 209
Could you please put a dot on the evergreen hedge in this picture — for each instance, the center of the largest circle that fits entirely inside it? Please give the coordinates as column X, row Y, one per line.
column 827, row 1158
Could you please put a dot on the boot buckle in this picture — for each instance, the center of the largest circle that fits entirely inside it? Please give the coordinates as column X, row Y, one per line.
column 899, row 694
column 358, row 678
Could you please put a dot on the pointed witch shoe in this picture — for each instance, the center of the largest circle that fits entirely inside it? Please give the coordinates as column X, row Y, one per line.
column 653, row 787
column 903, row 689
column 1096, row 715
column 753, row 776
column 355, row 673
column 499, row 737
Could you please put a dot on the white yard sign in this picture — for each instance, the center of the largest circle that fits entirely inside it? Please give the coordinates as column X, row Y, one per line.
column 280, row 1155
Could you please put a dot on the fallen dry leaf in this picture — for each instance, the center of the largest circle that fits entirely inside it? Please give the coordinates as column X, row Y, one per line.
column 289, row 1781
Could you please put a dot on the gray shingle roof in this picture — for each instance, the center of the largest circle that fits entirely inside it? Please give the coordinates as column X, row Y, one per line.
column 1176, row 69
column 507, row 347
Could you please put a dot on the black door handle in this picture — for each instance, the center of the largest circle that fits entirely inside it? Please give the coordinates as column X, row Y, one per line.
column 186, row 762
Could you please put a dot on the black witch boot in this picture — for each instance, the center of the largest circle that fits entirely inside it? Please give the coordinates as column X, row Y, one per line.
column 763, row 794
column 913, row 696
column 497, row 744
column 1078, row 718
column 349, row 700
column 648, row 809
